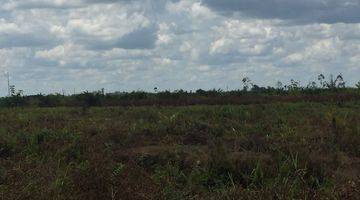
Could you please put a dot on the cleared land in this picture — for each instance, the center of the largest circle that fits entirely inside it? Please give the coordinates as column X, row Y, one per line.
column 272, row 151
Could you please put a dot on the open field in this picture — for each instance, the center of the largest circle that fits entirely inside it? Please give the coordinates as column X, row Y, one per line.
column 273, row 151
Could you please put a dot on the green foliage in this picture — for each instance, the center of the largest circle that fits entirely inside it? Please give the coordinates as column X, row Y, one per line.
column 250, row 93
column 284, row 151
column 119, row 168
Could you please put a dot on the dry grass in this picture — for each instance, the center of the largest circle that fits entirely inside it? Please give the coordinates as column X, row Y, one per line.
column 273, row 151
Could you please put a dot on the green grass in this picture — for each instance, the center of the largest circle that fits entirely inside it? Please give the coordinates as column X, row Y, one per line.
column 273, row 151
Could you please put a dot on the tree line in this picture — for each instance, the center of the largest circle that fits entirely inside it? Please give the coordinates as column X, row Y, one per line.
column 324, row 89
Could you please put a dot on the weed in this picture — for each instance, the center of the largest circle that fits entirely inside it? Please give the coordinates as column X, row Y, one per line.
column 275, row 151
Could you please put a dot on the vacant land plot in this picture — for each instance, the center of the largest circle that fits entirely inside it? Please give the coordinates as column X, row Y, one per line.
column 273, row 151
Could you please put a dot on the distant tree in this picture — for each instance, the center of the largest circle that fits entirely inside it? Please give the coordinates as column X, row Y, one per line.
column 256, row 88
column 321, row 79
column 311, row 85
column 89, row 99
column 335, row 83
column 331, row 84
column 279, row 85
column 340, row 83
column 200, row 92
column 12, row 90
column 294, row 85
column 358, row 85
column 20, row 92
column 247, row 83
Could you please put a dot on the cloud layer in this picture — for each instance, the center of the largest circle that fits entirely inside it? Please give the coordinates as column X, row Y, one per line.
column 48, row 46
column 305, row 11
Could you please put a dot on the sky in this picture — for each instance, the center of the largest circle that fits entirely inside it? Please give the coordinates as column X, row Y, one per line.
column 51, row 46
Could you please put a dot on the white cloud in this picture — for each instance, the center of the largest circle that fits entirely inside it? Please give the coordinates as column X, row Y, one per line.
column 304, row 11
column 125, row 45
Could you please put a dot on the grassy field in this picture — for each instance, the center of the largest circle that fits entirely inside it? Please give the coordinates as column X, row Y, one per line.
column 272, row 151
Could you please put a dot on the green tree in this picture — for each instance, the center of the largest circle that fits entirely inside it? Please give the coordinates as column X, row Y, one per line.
column 246, row 83
column 321, row 79
column 294, row 85
column 332, row 83
column 279, row 85
column 12, row 90
column 358, row 85
column 340, row 83
column 311, row 85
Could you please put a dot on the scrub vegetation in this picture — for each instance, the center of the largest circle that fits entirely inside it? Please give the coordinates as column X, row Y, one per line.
column 266, row 151
column 289, row 144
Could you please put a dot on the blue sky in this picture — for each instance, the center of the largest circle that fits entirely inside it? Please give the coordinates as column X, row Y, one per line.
column 54, row 45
